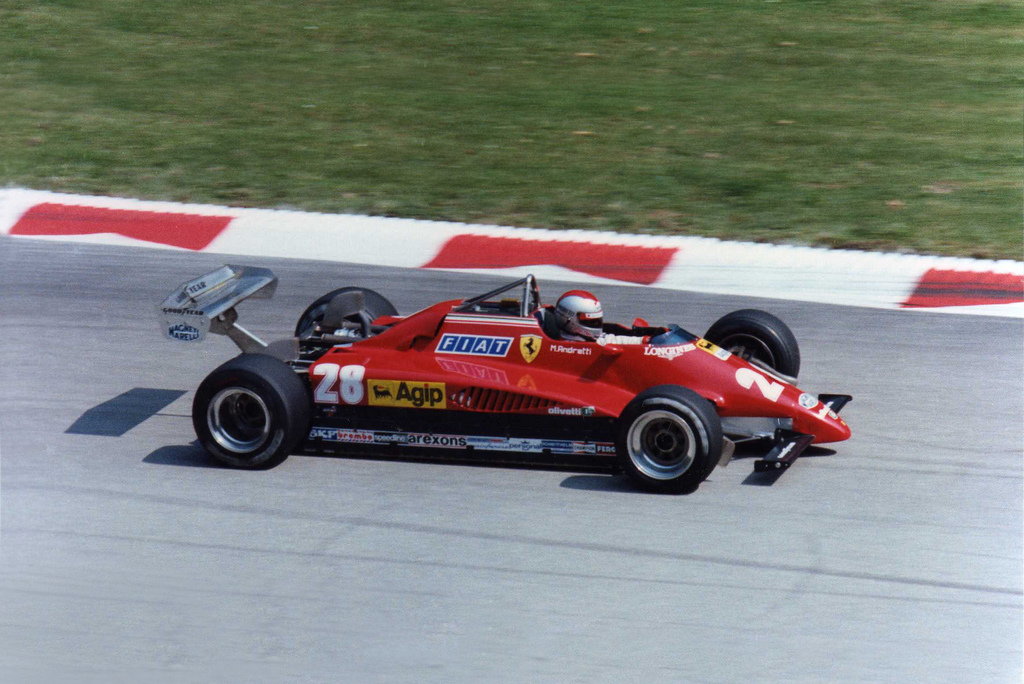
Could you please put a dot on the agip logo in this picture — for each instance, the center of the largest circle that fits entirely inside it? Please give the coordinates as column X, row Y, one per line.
column 406, row 394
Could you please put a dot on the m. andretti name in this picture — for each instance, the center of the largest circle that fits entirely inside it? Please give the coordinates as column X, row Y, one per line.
column 565, row 349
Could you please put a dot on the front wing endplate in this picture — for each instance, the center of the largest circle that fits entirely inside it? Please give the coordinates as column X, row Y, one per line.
column 789, row 444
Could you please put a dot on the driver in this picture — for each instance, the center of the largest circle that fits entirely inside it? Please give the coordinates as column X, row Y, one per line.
column 580, row 318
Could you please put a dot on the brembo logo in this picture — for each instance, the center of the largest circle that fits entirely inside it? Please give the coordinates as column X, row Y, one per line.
column 406, row 394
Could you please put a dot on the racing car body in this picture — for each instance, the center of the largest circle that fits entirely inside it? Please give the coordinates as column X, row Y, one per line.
column 488, row 375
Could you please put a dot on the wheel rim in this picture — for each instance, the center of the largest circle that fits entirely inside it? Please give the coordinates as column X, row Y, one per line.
column 747, row 347
column 238, row 420
column 661, row 445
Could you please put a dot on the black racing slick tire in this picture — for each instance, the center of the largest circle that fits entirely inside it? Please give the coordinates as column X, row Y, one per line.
column 669, row 439
column 377, row 305
column 251, row 412
column 751, row 333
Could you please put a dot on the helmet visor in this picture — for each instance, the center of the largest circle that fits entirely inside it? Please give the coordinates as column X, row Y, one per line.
column 590, row 321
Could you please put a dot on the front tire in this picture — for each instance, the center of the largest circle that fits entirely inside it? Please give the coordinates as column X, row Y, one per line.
column 670, row 439
column 251, row 412
column 751, row 333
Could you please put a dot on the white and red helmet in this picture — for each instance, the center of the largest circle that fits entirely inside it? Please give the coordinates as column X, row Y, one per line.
column 579, row 315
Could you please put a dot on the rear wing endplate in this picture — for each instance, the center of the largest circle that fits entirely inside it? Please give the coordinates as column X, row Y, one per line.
column 207, row 305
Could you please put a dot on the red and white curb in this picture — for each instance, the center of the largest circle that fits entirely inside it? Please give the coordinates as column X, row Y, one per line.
column 695, row 264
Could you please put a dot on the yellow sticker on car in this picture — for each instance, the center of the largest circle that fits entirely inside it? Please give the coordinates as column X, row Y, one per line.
column 713, row 349
column 406, row 394
column 529, row 347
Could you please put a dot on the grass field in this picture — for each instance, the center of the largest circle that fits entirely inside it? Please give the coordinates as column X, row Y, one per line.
column 860, row 124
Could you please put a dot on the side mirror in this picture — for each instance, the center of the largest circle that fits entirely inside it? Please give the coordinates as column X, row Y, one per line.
column 610, row 349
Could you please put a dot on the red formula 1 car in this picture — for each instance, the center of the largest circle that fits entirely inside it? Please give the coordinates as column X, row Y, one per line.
column 488, row 376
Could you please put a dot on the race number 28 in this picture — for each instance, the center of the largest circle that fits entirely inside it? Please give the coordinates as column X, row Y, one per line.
column 351, row 388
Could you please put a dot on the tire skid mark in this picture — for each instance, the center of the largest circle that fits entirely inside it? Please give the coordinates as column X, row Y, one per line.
column 479, row 567
column 360, row 521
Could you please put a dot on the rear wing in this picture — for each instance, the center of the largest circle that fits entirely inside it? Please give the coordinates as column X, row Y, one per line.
column 207, row 305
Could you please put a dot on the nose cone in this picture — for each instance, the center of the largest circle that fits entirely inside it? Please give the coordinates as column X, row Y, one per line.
column 823, row 423
column 834, row 430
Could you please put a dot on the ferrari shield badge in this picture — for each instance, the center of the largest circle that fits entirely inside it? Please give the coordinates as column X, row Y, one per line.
column 529, row 347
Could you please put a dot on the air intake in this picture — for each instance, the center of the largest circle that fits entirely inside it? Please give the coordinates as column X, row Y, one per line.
column 497, row 401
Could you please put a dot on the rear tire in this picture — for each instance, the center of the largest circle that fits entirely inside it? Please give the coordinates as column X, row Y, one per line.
column 251, row 412
column 670, row 439
column 377, row 305
column 751, row 333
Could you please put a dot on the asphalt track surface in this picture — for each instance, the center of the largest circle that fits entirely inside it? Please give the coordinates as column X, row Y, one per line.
column 125, row 556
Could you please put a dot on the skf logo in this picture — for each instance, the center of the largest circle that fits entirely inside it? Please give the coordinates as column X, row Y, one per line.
column 406, row 394
column 529, row 347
